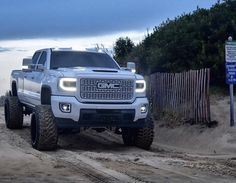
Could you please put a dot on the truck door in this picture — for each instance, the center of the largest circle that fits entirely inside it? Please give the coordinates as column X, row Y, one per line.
column 38, row 74
column 28, row 77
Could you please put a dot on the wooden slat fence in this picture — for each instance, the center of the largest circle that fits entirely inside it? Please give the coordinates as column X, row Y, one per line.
column 185, row 94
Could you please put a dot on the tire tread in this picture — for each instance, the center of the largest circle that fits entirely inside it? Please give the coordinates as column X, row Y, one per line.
column 145, row 136
column 47, row 129
column 15, row 112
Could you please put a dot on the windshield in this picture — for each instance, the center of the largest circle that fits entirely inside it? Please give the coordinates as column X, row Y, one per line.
column 62, row 59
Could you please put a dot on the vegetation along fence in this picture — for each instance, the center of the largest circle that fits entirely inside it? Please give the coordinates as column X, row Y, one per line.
column 185, row 94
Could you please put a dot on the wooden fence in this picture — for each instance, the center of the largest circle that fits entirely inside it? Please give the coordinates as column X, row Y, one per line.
column 185, row 94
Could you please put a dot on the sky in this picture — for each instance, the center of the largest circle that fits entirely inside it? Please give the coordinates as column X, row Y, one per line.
column 28, row 25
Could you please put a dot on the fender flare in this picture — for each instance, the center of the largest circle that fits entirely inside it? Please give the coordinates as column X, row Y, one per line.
column 13, row 88
column 46, row 95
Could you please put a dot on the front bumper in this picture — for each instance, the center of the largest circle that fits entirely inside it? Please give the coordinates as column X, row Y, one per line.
column 78, row 108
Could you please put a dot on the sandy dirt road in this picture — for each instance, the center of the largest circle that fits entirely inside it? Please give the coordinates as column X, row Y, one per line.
column 102, row 157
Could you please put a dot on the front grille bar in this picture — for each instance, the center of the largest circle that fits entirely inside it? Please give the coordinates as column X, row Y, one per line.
column 106, row 89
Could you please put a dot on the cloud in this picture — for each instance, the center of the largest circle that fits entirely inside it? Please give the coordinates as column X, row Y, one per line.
column 22, row 50
column 80, row 18
column 2, row 49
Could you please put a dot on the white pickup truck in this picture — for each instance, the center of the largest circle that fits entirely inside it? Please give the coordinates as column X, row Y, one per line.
column 74, row 89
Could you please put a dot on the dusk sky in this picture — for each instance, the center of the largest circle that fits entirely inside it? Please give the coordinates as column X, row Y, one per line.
column 27, row 25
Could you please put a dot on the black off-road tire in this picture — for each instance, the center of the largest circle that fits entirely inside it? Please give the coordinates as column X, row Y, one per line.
column 144, row 136
column 44, row 134
column 13, row 113
column 128, row 136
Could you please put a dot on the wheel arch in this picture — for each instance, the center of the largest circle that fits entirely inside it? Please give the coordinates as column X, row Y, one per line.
column 13, row 88
column 46, row 92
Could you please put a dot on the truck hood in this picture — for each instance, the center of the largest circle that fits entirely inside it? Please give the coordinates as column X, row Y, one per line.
column 97, row 72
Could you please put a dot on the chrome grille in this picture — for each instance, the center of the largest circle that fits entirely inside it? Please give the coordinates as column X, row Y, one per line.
column 106, row 89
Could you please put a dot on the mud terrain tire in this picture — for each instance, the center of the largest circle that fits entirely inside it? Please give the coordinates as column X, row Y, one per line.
column 13, row 113
column 144, row 136
column 44, row 135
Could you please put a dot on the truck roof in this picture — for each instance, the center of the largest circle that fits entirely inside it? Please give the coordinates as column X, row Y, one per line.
column 71, row 49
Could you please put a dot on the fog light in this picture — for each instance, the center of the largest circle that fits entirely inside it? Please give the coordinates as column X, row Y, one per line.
column 65, row 107
column 143, row 109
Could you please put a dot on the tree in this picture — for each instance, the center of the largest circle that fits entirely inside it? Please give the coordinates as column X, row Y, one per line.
column 123, row 47
column 189, row 41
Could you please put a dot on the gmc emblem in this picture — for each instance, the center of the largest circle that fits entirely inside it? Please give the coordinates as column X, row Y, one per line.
column 107, row 86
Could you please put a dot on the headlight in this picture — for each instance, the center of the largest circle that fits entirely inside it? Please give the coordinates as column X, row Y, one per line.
column 140, row 86
column 68, row 84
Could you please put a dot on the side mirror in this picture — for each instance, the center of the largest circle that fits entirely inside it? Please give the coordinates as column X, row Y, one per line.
column 131, row 66
column 26, row 63
column 40, row 67
column 31, row 66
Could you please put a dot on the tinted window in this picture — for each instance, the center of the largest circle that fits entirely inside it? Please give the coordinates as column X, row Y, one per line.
column 81, row 59
column 43, row 58
column 35, row 57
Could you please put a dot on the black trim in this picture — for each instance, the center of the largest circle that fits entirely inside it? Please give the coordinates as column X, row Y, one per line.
column 69, row 123
column 96, row 70
column 14, row 88
column 105, row 102
column 106, row 116
column 46, row 95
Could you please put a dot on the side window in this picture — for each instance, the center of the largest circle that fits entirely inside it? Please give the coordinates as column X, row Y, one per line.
column 35, row 57
column 43, row 58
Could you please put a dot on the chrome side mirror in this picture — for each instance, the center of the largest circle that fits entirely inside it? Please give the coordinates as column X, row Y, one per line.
column 26, row 63
column 131, row 66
